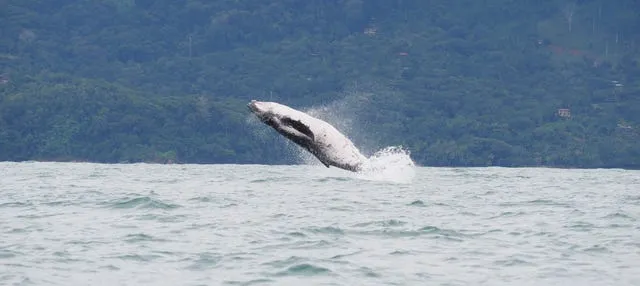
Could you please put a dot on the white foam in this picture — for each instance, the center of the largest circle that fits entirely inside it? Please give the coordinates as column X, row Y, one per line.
column 392, row 164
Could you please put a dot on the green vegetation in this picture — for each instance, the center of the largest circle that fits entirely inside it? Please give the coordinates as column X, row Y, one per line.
column 459, row 83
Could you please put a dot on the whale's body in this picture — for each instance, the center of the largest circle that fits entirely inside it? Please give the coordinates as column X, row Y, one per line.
column 318, row 137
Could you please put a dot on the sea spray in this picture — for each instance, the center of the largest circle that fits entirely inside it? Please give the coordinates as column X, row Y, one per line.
column 344, row 115
column 391, row 163
column 280, row 149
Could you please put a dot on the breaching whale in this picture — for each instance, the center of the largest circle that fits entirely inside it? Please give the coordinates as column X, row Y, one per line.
column 318, row 137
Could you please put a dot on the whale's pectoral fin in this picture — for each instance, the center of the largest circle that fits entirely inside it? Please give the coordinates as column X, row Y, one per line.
column 322, row 160
column 325, row 163
column 296, row 124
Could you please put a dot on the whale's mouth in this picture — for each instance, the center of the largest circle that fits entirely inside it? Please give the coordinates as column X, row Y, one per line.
column 253, row 106
column 264, row 116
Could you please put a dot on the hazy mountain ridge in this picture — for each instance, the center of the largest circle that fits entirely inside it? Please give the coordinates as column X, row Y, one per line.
column 470, row 83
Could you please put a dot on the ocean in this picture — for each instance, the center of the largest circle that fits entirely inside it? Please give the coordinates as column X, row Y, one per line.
column 147, row 224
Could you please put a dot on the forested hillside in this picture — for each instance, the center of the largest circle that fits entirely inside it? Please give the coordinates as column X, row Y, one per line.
column 458, row 83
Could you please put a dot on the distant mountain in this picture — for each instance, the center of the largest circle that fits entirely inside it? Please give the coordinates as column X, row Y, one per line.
column 459, row 83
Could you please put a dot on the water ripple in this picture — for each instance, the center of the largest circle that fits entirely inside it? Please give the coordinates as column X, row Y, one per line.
column 304, row 269
column 145, row 224
column 141, row 202
column 205, row 261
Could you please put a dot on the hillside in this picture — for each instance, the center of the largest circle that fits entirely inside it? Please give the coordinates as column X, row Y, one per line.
column 464, row 83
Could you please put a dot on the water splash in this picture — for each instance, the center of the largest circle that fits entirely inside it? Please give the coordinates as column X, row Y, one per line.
column 280, row 148
column 392, row 164
column 348, row 114
column 343, row 113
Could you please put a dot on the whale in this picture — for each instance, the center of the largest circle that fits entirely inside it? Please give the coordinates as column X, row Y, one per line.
column 321, row 139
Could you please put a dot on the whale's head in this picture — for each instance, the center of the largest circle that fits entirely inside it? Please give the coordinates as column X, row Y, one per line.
column 264, row 111
column 284, row 119
column 258, row 108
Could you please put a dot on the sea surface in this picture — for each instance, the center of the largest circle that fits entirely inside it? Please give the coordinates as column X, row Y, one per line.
column 144, row 224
